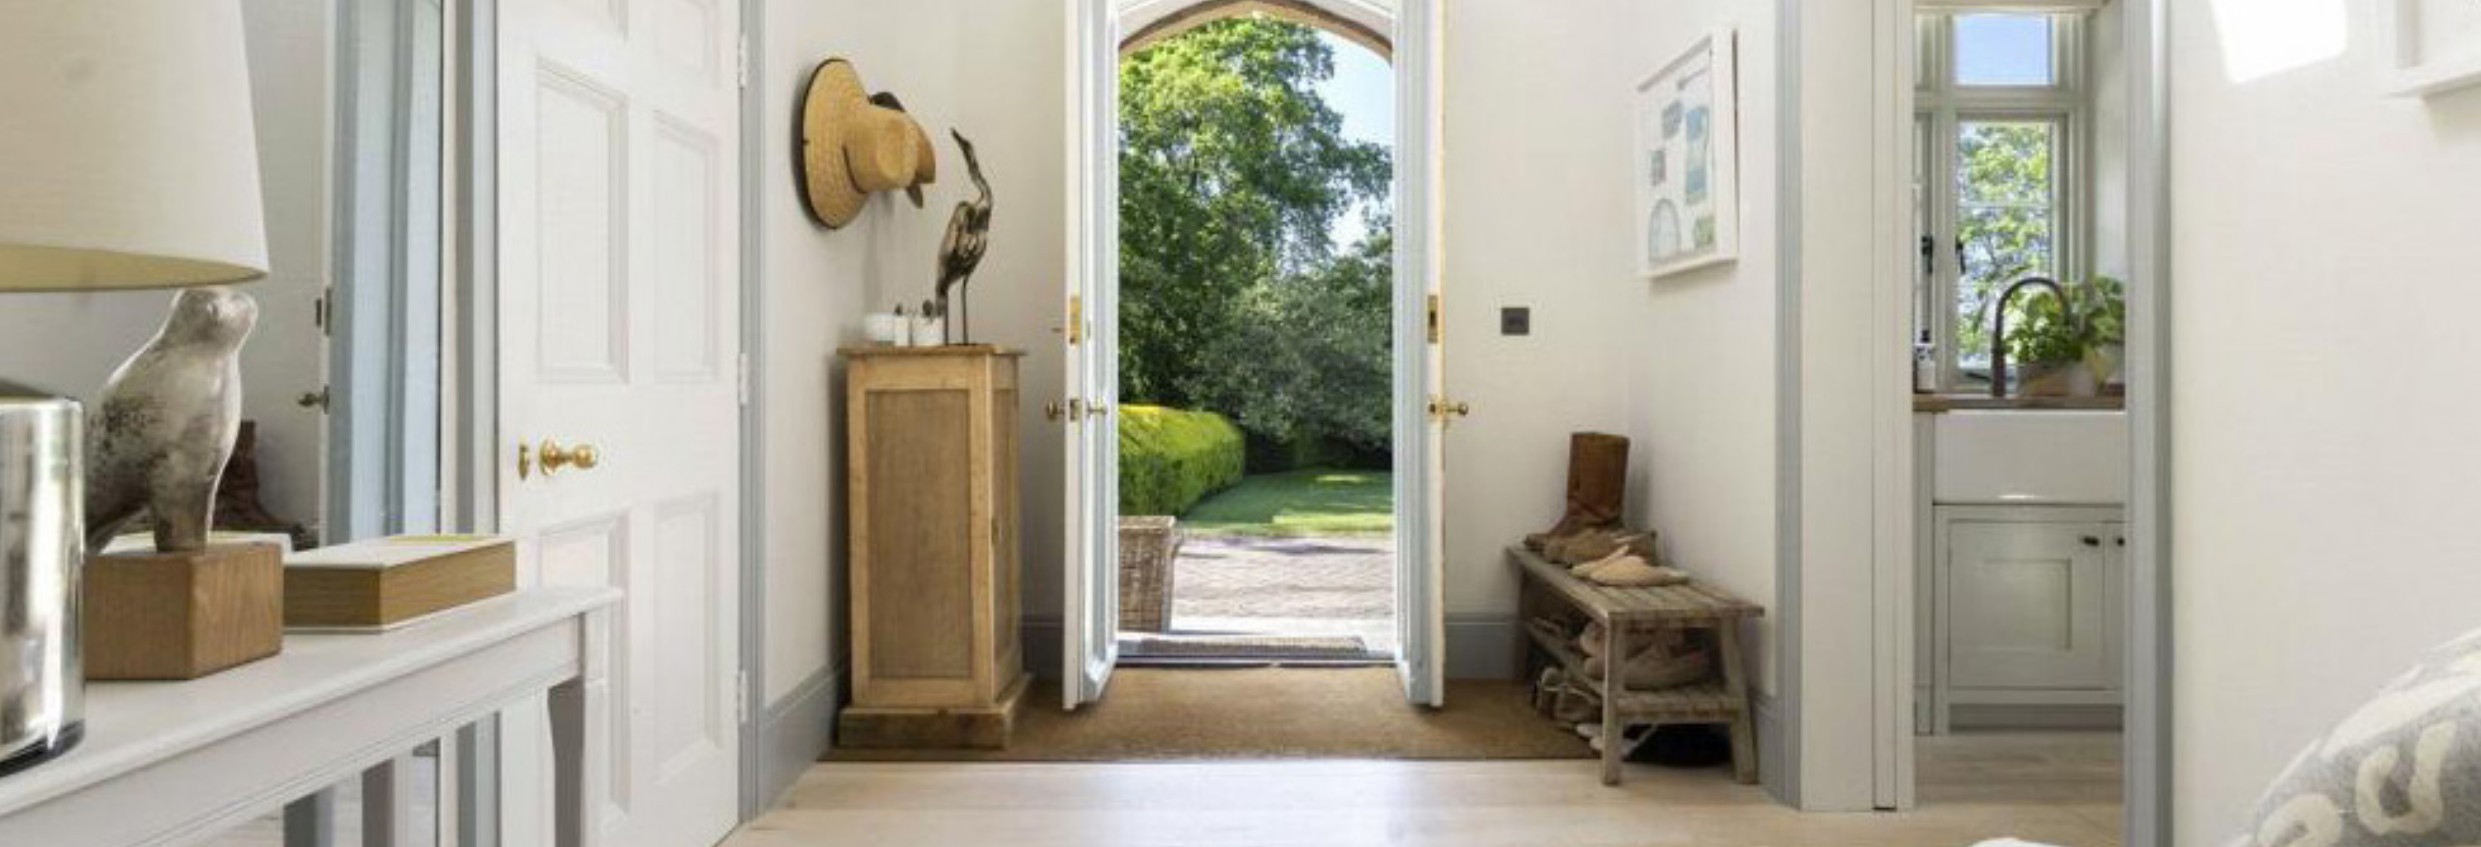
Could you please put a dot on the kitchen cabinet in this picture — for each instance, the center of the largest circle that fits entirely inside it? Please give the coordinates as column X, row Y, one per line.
column 2029, row 608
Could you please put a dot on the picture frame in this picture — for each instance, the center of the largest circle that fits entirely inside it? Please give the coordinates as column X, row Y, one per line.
column 2433, row 46
column 1687, row 160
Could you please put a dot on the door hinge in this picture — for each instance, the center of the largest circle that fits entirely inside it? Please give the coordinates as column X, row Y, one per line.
column 1434, row 319
column 741, row 378
column 740, row 61
column 319, row 312
column 740, row 694
column 1076, row 319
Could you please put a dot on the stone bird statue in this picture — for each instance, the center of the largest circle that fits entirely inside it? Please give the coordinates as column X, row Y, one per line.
column 169, row 417
column 969, row 235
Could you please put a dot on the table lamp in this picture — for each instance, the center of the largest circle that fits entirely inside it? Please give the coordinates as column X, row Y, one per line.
column 128, row 160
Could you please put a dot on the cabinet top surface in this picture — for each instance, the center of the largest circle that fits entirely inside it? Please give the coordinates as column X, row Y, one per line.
column 950, row 350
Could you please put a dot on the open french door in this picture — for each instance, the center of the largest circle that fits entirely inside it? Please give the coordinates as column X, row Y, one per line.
column 1090, row 616
column 1422, row 407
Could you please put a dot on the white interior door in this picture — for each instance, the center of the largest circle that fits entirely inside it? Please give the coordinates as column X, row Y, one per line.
column 1090, row 612
column 1421, row 387
column 619, row 329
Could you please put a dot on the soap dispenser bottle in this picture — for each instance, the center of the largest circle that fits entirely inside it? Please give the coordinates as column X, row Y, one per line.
column 1924, row 365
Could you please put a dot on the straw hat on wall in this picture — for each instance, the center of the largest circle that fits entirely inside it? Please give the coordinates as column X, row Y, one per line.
column 854, row 145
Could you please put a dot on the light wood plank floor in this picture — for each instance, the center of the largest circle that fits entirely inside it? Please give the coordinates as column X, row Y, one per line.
column 1458, row 804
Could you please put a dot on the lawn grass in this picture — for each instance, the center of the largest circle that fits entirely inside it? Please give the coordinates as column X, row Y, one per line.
column 1299, row 503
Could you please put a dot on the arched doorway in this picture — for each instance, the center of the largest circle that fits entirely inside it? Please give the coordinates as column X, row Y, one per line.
column 1405, row 34
column 1144, row 23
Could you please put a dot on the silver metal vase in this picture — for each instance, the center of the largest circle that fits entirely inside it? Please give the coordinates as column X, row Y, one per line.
column 42, row 545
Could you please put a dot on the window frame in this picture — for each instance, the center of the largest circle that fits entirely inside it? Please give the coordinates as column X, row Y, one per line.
column 1941, row 109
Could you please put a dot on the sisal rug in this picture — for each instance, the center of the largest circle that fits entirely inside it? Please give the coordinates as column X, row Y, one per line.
column 1159, row 714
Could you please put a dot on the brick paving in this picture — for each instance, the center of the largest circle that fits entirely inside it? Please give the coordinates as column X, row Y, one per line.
column 1286, row 587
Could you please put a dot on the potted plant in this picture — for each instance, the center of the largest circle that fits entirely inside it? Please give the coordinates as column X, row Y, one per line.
column 2103, row 303
column 2070, row 348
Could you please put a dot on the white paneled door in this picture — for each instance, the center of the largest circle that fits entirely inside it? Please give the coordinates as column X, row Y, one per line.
column 1091, row 609
column 619, row 354
column 1423, row 408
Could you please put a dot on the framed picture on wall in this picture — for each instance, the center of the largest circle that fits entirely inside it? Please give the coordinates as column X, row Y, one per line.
column 2436, row 45
column 1687, row 161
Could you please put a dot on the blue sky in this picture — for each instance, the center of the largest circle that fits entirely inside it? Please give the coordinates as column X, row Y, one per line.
column 2003, row 49
column 1364, row 91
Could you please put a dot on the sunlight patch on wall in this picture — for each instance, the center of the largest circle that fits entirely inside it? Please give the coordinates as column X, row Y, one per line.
column 2262, row 38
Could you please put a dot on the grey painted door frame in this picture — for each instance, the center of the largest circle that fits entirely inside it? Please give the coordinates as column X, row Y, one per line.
column 390, row 267
column 2150, row 708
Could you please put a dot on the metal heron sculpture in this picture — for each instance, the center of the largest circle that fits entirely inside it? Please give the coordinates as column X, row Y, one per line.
column 969, row 236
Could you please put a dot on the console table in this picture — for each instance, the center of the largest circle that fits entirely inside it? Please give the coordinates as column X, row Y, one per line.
column 177, row 763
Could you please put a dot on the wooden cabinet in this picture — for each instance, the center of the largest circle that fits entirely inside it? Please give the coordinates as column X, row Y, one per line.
column 932, row 488
column 2030, row 608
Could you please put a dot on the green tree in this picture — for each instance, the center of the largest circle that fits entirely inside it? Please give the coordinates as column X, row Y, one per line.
column 2005, row 227
column 1232, row 171
column 1312, row 363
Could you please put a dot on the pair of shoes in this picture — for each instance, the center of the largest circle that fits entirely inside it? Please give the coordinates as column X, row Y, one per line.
column 1666, row 658
column 1626, row 569
column 1597, row 487
column 1596, row 544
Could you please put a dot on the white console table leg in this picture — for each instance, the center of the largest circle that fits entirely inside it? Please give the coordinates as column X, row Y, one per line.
column 477, row 780
column 580, row 728
column 390, row 798
column 311, row 821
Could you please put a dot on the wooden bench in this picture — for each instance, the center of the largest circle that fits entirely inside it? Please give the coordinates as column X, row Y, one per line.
column 1624, row 611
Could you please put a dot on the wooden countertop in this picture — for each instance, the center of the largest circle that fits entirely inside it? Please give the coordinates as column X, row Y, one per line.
column 1940, row 403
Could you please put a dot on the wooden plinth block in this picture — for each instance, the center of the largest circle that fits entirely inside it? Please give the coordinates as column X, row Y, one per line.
column 170, row 616
column 898, row 728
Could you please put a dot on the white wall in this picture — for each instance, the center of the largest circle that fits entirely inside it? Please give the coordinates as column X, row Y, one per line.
column 71, row 342
column 997, row 75
column 2323, row 412
column 816, row 285
column 1702, row 382
column 1536, row 205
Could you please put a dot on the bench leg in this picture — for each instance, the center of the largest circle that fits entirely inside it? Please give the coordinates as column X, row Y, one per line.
column 1614, row 681
column 1736, row 686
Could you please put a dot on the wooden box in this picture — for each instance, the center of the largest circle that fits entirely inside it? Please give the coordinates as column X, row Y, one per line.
column 935, row 572
column 170, row 616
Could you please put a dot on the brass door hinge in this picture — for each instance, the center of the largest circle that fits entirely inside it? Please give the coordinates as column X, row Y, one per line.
column 1076, row 319
column 1434, row 319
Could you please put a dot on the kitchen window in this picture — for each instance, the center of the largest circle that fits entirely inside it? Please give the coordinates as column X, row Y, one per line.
column 2001, row 137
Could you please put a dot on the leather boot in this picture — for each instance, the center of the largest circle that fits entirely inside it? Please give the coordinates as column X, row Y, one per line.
column 1597, row 487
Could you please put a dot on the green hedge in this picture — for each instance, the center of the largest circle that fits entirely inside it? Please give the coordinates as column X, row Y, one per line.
column 1171, row 459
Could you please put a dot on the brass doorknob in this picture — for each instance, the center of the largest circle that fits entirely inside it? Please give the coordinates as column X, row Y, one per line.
column 583, row 457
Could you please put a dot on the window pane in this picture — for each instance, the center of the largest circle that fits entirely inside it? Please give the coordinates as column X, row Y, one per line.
column 2004, row 50
column 2006, row 219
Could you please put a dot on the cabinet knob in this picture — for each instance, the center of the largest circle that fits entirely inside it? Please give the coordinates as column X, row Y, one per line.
column 2092, row 541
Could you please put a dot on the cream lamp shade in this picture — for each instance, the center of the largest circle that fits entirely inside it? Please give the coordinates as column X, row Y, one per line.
column 128, row 158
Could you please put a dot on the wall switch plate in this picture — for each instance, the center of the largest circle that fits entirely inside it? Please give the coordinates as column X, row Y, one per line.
column 1515, row 320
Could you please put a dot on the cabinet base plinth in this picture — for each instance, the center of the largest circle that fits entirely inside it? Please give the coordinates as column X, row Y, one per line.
column 923, row 728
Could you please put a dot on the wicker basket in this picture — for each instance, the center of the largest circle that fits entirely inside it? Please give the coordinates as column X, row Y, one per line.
column 1148, row 546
